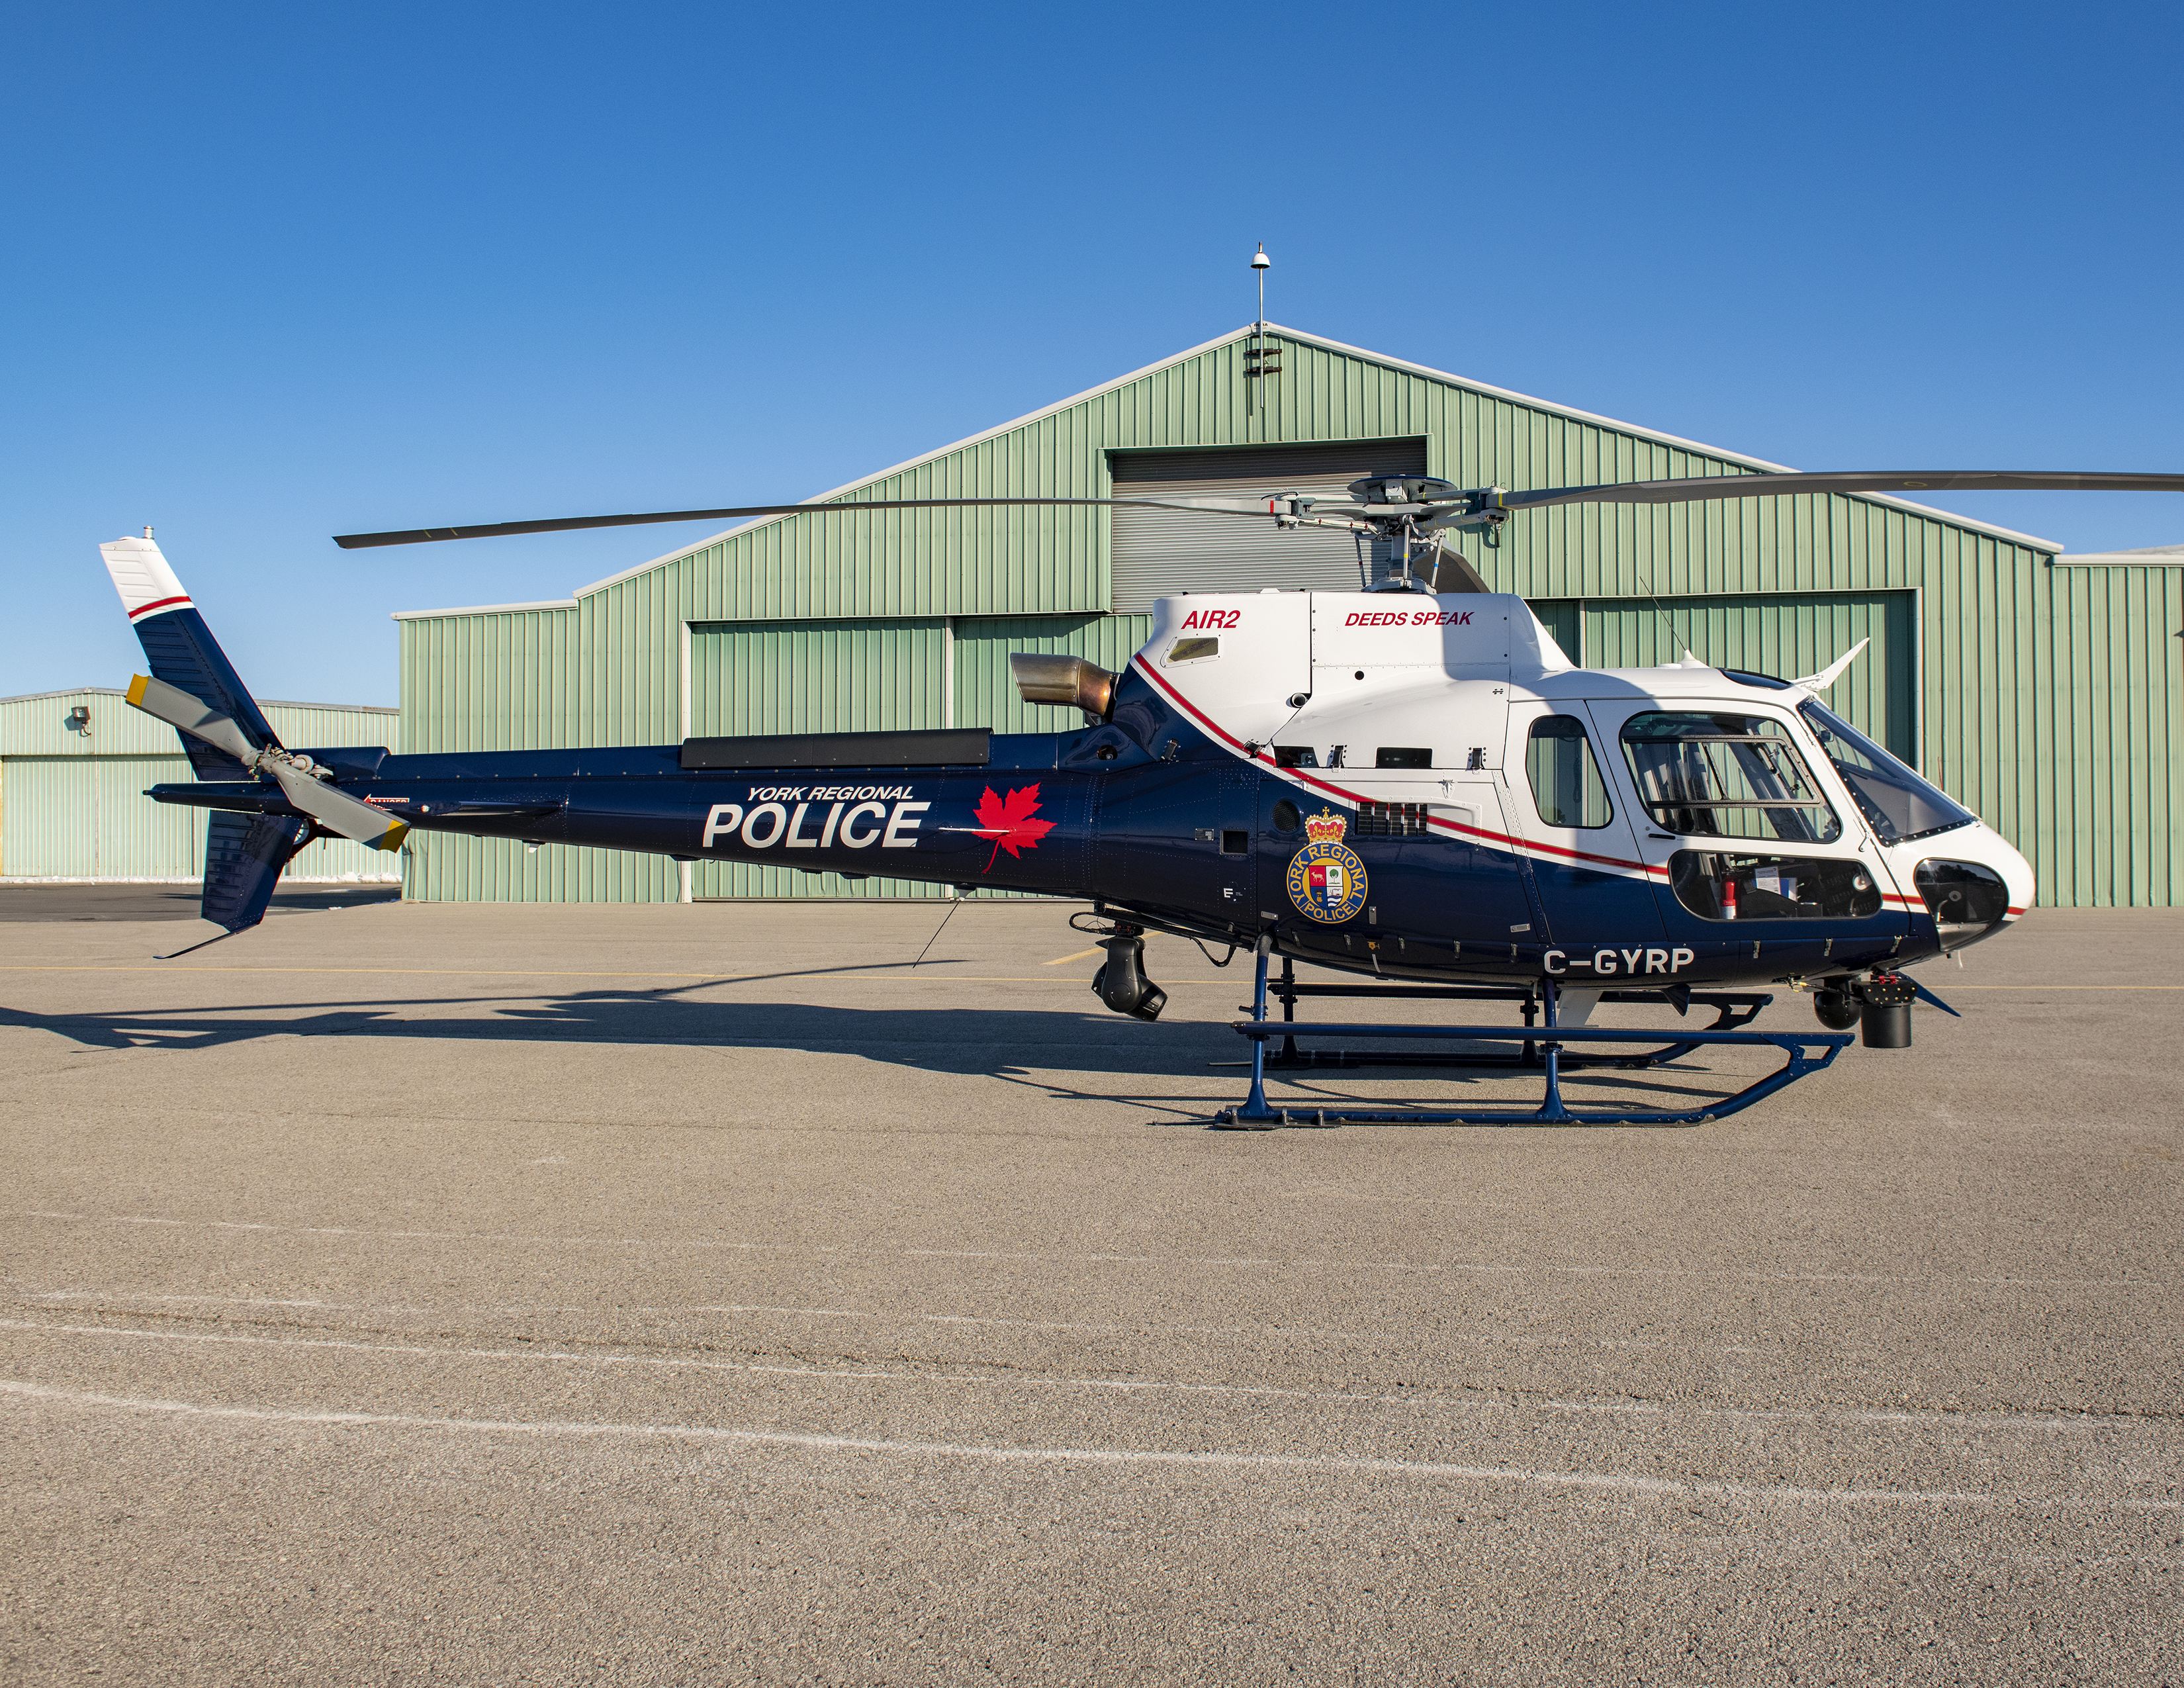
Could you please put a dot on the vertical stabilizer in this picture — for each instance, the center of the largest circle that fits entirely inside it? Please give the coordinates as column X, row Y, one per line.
column 244, row 855
column 182, row 650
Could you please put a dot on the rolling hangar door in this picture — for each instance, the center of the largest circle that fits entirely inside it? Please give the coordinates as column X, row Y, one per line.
column 86, row 817
column 1783, row 633
column 74, row 769
column 876, row 676
column 1159, row 552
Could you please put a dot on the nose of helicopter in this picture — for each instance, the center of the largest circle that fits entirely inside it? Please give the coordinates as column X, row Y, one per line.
column 1974, row 883
column 2016, row 873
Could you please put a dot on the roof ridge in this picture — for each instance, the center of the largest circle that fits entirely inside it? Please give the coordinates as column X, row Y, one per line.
column 263, row 702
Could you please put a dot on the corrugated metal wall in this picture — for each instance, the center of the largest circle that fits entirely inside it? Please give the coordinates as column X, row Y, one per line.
column 986, row 695
column 1790, row 634
column 2050, row 700
column 72, row 804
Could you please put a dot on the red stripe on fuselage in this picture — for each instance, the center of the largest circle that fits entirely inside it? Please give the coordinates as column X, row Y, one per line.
column 1298, row 776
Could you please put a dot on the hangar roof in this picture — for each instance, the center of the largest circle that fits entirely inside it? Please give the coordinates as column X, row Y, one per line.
column 1300, row 336
column 35, row 724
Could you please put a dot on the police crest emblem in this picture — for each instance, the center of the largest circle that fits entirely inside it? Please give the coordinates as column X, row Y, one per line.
column 1326, row 879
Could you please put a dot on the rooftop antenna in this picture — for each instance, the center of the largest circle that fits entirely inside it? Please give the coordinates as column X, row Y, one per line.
column 1255, row 366
column 147, row 529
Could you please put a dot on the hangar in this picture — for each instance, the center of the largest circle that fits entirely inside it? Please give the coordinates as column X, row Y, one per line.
column 73, row 767
column 2043, row 690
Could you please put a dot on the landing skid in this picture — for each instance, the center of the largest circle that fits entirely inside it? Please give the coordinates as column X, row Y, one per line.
column 1541, row 1050
column 1733, row 1010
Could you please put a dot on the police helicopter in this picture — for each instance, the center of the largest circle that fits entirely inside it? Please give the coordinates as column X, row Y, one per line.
column 1410, row 783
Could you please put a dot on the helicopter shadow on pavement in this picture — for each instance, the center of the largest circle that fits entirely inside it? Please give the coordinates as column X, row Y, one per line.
column 1031, row 1047
column 1009, row 1041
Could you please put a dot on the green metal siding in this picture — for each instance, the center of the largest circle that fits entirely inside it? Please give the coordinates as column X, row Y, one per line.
column 1786, row 635
column 817, row 676
column 986, row 694
column 72, row 805
column 2048, row 700
column 2079, row 757
column 509, row 680
column 42, row 811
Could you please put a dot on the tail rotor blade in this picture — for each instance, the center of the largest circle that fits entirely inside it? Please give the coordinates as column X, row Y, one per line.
column 337, row 811
column 192, row 716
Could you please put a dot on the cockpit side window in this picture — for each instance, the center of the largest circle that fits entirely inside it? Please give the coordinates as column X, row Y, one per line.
column 1567, row 788
column 1725, row 775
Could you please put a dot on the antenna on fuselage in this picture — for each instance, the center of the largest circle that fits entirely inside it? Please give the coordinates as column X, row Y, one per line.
column 1674, row 643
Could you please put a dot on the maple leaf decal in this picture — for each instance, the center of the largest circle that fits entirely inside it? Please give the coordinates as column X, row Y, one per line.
column 1007, row 820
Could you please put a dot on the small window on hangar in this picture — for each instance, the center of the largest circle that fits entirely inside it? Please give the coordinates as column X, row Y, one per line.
column 1159, row 552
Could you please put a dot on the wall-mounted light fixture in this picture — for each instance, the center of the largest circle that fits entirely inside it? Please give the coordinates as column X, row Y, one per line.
column 79, row 720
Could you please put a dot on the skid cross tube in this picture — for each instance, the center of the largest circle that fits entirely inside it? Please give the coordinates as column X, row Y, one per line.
column 1804, row 1053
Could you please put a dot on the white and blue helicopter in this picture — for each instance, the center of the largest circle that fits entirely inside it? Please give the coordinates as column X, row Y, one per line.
column 1410, row 783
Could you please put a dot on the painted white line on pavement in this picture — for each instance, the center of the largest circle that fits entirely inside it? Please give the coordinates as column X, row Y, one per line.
column 1615, row 1482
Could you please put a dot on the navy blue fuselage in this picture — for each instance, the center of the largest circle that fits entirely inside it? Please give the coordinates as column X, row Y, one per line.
column 1148, row 814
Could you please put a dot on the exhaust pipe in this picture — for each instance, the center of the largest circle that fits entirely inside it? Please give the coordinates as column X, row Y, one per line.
column 1122, row 983
column 1064, row 680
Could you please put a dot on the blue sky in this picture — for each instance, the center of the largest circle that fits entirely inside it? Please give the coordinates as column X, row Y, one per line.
column 272, row 273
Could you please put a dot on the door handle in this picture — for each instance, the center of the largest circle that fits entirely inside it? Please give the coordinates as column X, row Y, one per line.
column 1661, row 835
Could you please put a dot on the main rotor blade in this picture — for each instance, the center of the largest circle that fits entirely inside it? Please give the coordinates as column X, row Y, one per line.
column 1685, row 491
column 419, row 536
column 192, row 715
column 337, row 811
column 1694, row 490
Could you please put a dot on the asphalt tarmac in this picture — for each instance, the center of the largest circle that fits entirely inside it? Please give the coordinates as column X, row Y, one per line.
column 704, row 1294
column 41, row 904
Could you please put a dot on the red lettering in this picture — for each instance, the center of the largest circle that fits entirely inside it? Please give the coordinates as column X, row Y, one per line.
column 1234, row 616
column 1354, row 619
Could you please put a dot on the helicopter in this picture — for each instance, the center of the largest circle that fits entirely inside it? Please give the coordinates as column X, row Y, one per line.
column 1411, row 783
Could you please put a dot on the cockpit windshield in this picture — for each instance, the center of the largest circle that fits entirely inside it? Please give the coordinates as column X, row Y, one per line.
column 1896, row 802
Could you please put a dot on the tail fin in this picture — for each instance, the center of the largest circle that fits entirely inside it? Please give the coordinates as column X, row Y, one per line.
column 182, row 651
column 196, row 690
column 244, row 855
